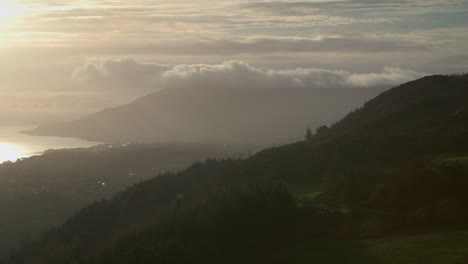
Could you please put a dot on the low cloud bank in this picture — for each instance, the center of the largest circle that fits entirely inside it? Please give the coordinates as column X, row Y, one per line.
column 120, row 74
column 131, row 74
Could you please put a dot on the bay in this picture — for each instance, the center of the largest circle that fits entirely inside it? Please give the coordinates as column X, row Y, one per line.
column 15, row 145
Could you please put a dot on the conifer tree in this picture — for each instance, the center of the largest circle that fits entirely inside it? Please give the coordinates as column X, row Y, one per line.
column 308, row 134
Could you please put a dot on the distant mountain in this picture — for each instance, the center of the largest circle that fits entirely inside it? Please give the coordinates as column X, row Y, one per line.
column 387, row 184
column 241, row 115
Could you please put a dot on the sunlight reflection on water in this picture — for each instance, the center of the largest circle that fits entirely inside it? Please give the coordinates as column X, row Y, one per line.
column 15, row 145
column 10, row 152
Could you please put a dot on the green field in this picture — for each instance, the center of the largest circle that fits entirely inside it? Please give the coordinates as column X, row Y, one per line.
column 435, row 248
column 462, row 160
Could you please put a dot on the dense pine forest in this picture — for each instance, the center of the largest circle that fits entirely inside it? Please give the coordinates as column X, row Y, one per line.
column 387, row 184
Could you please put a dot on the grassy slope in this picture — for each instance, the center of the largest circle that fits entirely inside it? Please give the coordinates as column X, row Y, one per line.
column 449, row 247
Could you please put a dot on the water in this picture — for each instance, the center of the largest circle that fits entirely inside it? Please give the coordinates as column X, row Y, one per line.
column 14, row 145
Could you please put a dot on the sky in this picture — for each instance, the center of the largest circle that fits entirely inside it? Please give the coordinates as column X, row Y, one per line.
column 64, row 59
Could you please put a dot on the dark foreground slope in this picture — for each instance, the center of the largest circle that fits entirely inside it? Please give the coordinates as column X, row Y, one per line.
column 384, row 185
column 260, row 116
column 40, row 192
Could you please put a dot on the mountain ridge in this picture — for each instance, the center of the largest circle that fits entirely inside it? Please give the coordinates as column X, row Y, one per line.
column 223, row 115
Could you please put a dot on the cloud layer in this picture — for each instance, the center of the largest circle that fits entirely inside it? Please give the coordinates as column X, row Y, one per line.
column 131, row 74
column 116, row 74
column 288, row 43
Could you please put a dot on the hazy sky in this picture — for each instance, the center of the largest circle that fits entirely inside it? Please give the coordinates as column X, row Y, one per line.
column 61, row 59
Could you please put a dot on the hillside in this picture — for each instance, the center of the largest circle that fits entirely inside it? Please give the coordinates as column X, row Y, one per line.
column 384, row 185
column 222, row 115
column 40, row 192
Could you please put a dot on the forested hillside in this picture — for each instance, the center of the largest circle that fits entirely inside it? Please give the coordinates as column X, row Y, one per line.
column 40, row 192
column 387, row 184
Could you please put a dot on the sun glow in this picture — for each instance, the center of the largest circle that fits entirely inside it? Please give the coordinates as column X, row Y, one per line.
column 6, row 11
column 9, row 152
